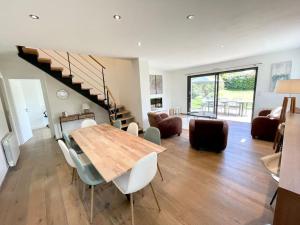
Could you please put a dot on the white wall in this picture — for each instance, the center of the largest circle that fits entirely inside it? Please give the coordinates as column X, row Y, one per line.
column 129, row 90
column 35, row 104
column 71, row 105
column 144, row 71
column 3, row 132
column 24, row 130
column 177, row 80
column 166, row 95
column 144, row 91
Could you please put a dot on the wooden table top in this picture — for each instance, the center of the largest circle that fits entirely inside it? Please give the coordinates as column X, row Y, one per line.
column 112, row 151
column 290, row 161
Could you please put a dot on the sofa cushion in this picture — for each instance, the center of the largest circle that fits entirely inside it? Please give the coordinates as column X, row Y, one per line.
column 167, row 126
column 275, row 113
column 154, row 119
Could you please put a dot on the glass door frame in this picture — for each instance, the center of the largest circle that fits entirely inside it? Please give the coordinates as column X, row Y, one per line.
column 216, row 96
column 216, row 93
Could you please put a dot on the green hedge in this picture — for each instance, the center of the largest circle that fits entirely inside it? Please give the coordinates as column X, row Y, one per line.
column 242, row 82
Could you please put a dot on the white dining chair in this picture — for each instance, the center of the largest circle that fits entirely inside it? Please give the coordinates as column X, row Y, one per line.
column 88, row 175
column 82, row 157
column 137, row 178
column 133, row 129
column 88, row 123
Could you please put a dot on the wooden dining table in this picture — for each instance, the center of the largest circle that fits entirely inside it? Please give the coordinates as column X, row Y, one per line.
column 112, row 151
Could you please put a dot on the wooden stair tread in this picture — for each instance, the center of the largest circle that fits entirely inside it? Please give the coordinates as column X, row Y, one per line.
column 125, row 125
column 118, row 107
column 77, row 82
column 125, row 118
column 120, row 113
column 31, row 51
column 57, row 68
column 44, row 60
column 96, row 93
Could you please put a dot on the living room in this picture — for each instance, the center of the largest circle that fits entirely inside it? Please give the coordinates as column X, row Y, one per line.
column 203, row 91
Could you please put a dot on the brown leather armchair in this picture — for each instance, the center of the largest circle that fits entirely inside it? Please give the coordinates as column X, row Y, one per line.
column 208, row 134
column 264, row 127
column 167, row 125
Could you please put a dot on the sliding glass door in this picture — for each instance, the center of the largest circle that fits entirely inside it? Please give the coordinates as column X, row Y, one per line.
column 202, row 96
column 227, row 95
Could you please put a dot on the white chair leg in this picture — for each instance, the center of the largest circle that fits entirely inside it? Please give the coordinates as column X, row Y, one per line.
column 132, row 212
column 155, row 196
column 92, row 202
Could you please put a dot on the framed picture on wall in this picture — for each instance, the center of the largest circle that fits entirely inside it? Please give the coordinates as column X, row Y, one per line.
column 159, row 84
column 152, row 85
column 156, row 84
column 280, row 71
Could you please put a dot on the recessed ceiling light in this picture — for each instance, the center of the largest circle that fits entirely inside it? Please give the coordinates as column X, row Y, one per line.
column 117, row 17
column 139, row 44
column 34, row 17
column 190, row 17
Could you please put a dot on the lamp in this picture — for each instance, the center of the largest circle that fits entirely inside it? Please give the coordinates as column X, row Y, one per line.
column 288, row 87
column 85, row 107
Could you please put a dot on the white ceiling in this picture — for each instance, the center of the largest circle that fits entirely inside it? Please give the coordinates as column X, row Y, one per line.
column 169, row 40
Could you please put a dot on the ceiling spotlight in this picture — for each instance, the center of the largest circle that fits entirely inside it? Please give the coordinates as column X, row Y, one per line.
column 139, row 44
column 190, row 17
column 117, row 17
column 34, row 17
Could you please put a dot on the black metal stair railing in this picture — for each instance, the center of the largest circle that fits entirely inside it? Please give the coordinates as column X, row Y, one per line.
column 110, row 101
column 84, row 74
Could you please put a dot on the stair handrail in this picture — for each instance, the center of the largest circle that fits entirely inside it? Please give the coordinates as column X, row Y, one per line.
column 114, row 103
column 111, row 95
column 59, row 61
column 92, row 57
column 69, row 63
column 82, row 70
column 87, row 74
column 102, row 72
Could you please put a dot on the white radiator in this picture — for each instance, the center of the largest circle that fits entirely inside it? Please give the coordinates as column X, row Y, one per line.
column 11, row 148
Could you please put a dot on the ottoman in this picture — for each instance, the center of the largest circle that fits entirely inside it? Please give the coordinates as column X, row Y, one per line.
column 208, row 134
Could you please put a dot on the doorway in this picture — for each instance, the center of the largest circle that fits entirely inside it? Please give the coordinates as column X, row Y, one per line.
column 228, row 95
column 29, row 106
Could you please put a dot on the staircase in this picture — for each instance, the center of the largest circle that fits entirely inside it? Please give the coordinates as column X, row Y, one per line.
column 82, row 73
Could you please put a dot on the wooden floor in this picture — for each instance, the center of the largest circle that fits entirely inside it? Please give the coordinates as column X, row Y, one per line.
column 200, row 188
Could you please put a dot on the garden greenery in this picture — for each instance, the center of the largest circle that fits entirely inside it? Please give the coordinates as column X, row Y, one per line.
column 241, row 82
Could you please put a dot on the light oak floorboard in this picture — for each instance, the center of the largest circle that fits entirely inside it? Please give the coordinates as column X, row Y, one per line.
column 199, row 187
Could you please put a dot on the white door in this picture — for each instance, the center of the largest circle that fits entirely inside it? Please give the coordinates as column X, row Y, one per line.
column 34, row 100
column 20, row 107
